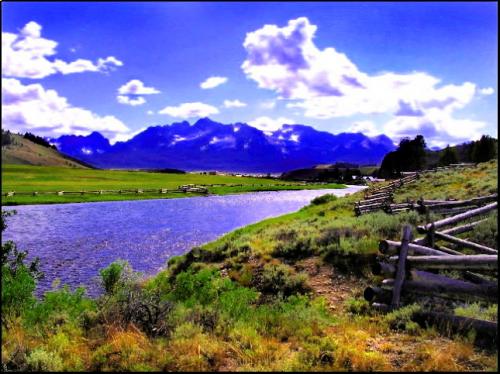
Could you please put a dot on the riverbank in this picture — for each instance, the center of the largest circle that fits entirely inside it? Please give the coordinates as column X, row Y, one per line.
column 284, row 294
column 42, row 179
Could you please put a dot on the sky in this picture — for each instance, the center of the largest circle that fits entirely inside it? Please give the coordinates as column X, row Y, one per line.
column 399, row 69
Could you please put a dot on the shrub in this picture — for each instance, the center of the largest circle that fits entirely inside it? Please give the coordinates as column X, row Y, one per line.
column 400, row 319
column 298, row 249
column 58, row 307
column 281, row 280
column 323, row 199
column 18, row 278
column 112, row 275
column 41, row 360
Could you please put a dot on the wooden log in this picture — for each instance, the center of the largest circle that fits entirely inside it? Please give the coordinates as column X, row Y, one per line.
column 486, row 332
column 378, row 294
column 463, row 228
column 459, row 217
column 477, row 278
column 368, row 206
column 465, row 243
column 389, row 247
column 399, row 210
column 401, row 267
column 384, row 308
column 450, row 212
column 461, row 203
column 370, row 201
column 444, row 249
column 470, row 262
column 439, row 285
column 383, row 268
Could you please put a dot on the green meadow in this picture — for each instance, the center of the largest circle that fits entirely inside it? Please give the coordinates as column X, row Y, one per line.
column 27, row 178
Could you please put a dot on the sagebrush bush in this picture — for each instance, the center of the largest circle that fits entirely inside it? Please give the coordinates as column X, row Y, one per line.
column 281, row 280
column 323, row 199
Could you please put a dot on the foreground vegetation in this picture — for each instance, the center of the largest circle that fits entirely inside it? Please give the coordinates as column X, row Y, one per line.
column 283, row 294
column 26, row 178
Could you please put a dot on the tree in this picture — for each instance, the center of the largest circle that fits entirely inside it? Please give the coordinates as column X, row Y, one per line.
column 6, row 138
column 449, row 156
column 410, row 156
column 484, row 149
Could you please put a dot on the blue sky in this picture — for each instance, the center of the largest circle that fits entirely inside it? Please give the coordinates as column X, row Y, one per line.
column 399, row 69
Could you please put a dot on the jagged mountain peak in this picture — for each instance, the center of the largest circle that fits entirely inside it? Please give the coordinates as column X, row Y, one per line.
column 207, row 144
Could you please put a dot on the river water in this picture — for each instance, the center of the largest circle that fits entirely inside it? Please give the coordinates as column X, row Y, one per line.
column 75, row 241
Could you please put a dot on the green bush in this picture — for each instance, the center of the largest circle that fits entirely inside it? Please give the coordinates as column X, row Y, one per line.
column 60, row 306
column 297, row 249
column 112, row 275
column 323, row 199
column 281, row 280
column 41, row 360
column 18, row 279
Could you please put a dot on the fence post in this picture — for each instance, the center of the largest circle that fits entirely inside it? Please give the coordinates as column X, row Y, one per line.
column 401, row 268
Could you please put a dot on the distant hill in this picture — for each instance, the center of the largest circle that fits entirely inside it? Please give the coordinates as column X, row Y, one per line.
column 209, row 145
column 339, row 172
column 25, row 152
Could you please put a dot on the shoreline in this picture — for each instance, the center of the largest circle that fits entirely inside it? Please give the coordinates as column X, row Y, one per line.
column 145, row 196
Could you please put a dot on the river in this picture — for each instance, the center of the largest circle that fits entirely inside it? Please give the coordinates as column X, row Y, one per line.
column 75, row 241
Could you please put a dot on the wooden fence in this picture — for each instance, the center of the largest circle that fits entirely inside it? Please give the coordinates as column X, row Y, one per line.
column 411, row 267
column 381, row 197
column 188, row 188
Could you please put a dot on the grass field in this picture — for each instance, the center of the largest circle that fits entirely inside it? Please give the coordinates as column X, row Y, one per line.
column 26, row 178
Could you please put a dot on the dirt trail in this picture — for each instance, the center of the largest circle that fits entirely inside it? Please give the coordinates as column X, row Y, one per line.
column 327, row 282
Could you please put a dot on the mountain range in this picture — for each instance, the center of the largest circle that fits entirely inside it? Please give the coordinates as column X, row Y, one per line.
column 209, row 145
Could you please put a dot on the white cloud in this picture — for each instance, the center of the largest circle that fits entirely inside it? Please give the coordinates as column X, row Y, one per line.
column 367, row 128
column 33, row 108
column 487, row 91
column 268, row 124
column 438, row 128
column 213, row 82
column 190, row 110
column 26, row 55
column 129, row 93
column 234, row 104
column 136, row 87
column 269, row 104
column 150, row 113
column 325, row 83
column 133, row 101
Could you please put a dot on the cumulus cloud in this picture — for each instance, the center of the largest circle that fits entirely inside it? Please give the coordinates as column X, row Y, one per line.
column 234, row 104
column 136, row 87
column 133, row 101
column 325, row 83
column 33, row 108
column 190, row 110
column 213, row 82
column 268, row 124
column 28, row 55
column 130, row 92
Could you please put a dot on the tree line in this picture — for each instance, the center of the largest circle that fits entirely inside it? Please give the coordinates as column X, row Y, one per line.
column 413, row 155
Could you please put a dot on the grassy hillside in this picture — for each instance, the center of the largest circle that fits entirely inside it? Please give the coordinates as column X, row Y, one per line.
column 284, row 294
column 25, row 178
column 25, row 152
